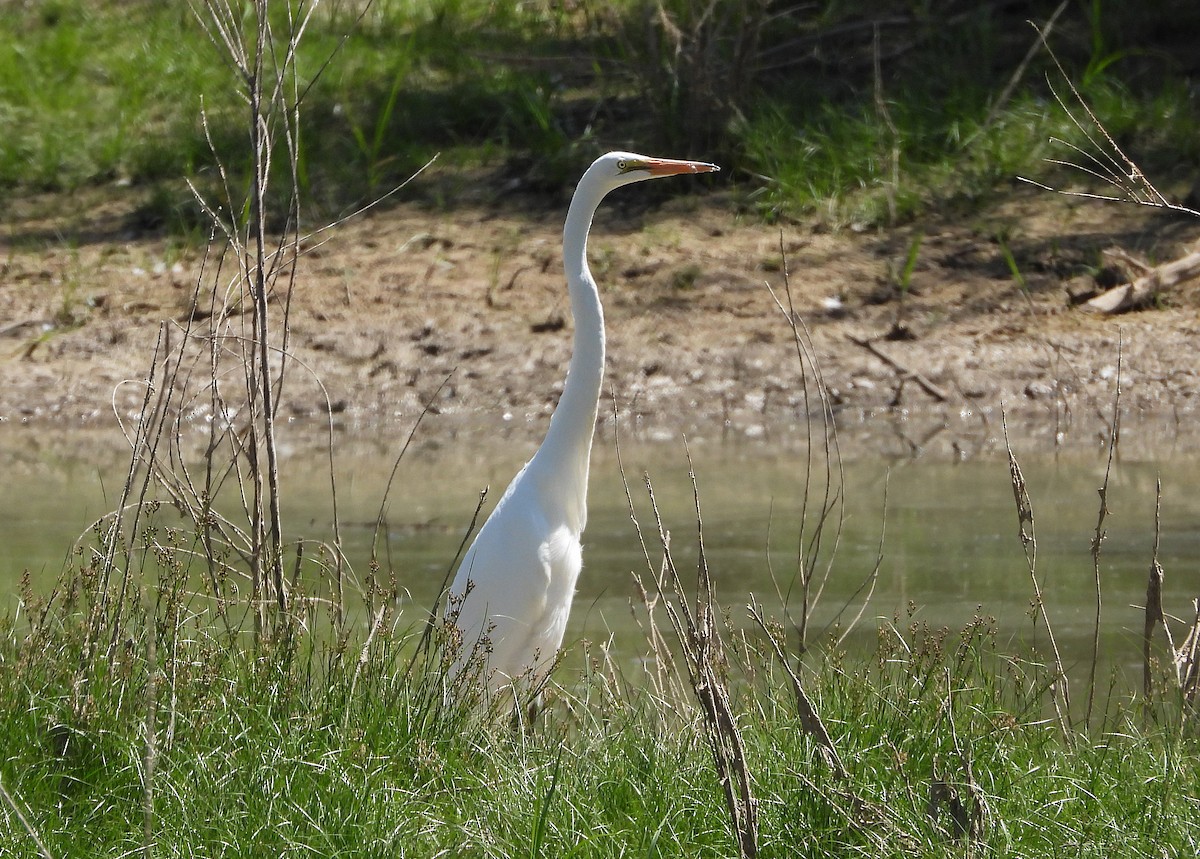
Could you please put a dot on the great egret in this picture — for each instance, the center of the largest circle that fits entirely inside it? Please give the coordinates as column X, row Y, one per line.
column 512, row 593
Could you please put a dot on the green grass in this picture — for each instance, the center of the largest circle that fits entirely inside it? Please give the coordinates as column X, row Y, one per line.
column 319, row 745
column 95, row 92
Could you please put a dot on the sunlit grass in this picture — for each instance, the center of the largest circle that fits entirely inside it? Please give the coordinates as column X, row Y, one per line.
column 96, row 92
column 855, row 168
column 99, row 92
column 194, row 742
column 138, row 715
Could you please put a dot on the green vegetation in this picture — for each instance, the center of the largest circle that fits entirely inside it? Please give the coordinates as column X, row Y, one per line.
column 182, row 737
column 865, row 113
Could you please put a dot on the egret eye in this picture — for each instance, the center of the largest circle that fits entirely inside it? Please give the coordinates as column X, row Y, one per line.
column 622, row 165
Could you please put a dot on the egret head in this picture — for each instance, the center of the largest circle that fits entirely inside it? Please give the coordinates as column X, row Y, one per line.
column 624, row 168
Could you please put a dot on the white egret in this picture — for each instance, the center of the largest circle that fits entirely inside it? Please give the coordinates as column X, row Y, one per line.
column 512, row 593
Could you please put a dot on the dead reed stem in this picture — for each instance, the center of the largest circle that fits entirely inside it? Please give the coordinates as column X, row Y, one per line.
column 1154, row 584
column 1059, row 692
column 704, row 657
column 810, row 720
column 1114, row 438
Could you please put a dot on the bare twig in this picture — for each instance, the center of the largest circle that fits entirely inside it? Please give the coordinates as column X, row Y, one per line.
column 435, row 612
column 815, row 549
column 872, row 578
column 903, row 371
column 412, row 433
column 1009, row 88
column 1104, row 159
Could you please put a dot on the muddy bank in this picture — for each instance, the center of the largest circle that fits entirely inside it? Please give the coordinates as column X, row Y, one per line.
column 395, row 304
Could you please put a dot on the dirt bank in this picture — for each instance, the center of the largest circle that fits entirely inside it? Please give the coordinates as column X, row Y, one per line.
column 397, row 301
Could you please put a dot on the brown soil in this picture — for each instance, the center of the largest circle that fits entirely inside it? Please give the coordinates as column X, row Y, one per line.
column 397, row 301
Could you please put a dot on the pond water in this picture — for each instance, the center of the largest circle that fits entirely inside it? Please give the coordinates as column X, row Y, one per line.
column 950, row 545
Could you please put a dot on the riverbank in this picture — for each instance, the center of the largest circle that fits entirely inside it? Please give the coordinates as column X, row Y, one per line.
column 388, row 307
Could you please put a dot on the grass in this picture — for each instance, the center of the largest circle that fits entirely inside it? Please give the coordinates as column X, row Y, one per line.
column 88, row 96
column 530, row 91
column 294, row 748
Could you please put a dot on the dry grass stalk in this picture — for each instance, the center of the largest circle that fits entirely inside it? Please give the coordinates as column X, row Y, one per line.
column 1187, row 663
column 1102, row 159
column 1154, row 607
column 15, row 807
column 810, row 720
column 1105, row 160
column 874, row 822
column 1114, row 439
column 226, row 361
column 436, row 627
column 664, row 676
column 823, row 481
column 704, row 656
column 1058, row 689
column 663, row 671
column 1009, row 88
column 1183, row 659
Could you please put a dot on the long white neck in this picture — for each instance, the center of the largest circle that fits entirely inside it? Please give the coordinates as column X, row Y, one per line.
column 568, row 444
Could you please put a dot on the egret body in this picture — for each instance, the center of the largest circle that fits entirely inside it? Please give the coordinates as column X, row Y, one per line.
column 512, row 593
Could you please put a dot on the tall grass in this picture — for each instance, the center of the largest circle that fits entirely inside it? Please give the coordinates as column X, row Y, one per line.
column 330, row 745
column 95, row 92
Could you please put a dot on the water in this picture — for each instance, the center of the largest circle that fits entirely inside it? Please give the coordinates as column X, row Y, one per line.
column 950, row 543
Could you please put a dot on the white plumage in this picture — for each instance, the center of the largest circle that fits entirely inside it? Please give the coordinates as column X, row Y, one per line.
column 525, row 560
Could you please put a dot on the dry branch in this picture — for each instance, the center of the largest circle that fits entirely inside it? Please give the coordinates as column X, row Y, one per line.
column 903, row 371
column 1144, row 290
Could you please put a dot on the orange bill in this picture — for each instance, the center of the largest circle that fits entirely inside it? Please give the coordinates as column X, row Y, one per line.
column 669, row 167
